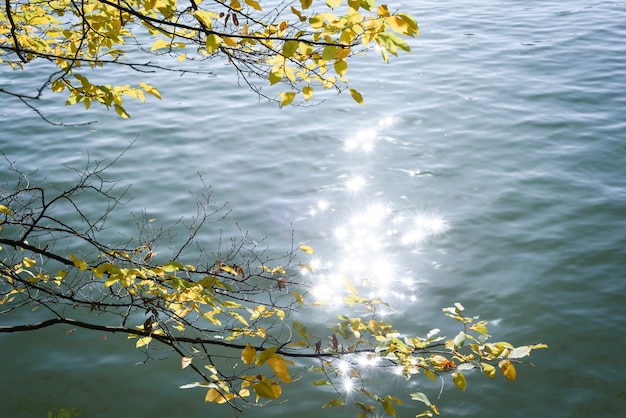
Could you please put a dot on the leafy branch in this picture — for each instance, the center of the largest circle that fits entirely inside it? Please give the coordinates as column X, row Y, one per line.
column 231, row 320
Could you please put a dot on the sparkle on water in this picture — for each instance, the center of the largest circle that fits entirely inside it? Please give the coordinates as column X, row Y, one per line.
column 369, row 239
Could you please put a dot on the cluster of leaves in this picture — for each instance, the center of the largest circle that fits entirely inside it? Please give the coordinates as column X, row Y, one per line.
column 301, row 47
column 232, row 321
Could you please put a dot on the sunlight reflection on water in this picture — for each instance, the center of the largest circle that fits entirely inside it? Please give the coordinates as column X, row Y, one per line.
column 369, row 234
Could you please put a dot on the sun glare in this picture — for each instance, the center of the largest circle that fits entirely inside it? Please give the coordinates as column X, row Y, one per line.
column 355, row 183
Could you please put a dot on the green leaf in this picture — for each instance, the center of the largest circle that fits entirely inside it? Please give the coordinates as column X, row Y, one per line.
column 334, row 402
column 329, row 52
column 289, row 48
column 300, row 329
column 388, row 406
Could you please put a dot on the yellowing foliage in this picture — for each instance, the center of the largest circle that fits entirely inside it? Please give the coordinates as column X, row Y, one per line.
column 232, row 324
column 300, row 47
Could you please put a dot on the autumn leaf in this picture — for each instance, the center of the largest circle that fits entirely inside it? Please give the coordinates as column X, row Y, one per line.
column 459, row 380
column 508, row 370
column 279, row 365
column 306, row 249
column 248, row 355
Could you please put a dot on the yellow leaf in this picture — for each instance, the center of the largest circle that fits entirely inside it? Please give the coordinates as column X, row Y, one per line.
column 229, row 269
column 239, row 318
column 278, row 364
column 58, row 86
column 28, row 262
column 341, row 67
column 267, row 390
column 480, row 327
column 290, row 74
column 121, row 111
column 383, row 11
column 230, row 41
column 508, row 370
column 388, row 406
column 186, row 361
column 150, row 90
column 214, row 396
column 281, row 314
column 255, row 5
column 411, row 23
column 298, row 297
column 489, row 370
column 306, row 249
column 278, row 270
column 307, row 91
column 143, row 341
column 357, row 96
column 459, row 380
column 5, row 210
column 265, row 355
column 276, row 74
column 212, row 43
column 430, row 374
column 333, row 3
column 286, row 98
column 159, row 44
column 248, row 355
column 205, row 17
column 306, row 4
column 78, row 263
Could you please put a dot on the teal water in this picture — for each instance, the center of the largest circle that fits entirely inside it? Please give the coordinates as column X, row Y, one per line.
column 503, row 132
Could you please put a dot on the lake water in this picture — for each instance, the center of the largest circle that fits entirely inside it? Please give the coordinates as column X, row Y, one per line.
column 502, row 137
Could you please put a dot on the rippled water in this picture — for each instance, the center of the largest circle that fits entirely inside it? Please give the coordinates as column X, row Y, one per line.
column 503, row 133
